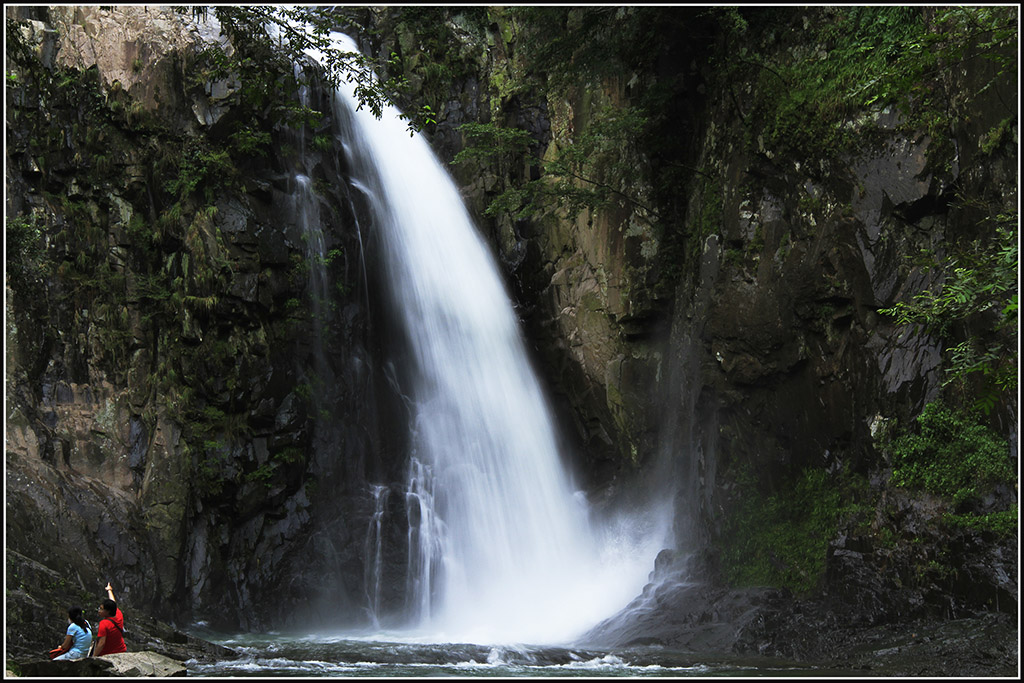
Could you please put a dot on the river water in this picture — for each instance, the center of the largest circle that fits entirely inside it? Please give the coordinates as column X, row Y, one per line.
column 380, row 656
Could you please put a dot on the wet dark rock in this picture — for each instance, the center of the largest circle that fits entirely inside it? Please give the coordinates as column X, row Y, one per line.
column 87, row 667
column 986, row 645
column 246, row 287
column 124, row 664
column 288, row 415
column 883, row 608
column 826, row 635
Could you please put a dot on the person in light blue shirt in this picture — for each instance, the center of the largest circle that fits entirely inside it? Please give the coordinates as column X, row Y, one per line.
column 79, row 636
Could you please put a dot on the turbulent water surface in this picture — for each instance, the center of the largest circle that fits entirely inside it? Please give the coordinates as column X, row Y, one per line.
column 378, row 656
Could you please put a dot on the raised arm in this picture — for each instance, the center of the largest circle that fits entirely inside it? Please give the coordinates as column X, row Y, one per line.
column 110, row 592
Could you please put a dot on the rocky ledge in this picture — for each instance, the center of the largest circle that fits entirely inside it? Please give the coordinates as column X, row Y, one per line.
column 821, row 634
column 125, row 664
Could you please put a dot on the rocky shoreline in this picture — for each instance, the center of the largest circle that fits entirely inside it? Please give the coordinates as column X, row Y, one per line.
column 755, row 627
column 771, row 627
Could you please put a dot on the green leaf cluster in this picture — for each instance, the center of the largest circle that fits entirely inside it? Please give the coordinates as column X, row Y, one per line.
column 953, row 455
column 980, row 290
column 1001, row 523
column 489, row 141
column 808, row 99
column 202, row 171
column 567, row 46
column 431, row 52
column 982, row 277
column 267, row 42
column 591, row 172
column 27, row 264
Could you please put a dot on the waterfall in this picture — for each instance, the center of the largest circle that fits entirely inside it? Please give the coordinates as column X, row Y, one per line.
column 374, row 550
column 500, row 547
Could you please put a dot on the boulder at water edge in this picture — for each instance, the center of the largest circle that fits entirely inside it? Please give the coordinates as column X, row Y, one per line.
column 128, row 664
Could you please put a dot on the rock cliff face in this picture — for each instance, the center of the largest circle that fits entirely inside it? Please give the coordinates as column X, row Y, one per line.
column 167, row 380
column 180, row 424
column 740, row 347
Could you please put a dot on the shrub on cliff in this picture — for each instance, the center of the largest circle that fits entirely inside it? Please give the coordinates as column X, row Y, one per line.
column 953, row 455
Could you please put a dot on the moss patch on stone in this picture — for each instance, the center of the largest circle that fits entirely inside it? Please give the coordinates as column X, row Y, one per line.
column 781, row 538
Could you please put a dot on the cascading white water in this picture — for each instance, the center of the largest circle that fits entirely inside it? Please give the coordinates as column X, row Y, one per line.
column 501, row 550
column 374, row 552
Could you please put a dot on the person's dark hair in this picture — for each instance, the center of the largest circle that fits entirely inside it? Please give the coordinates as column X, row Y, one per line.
column 77, row 616
column 110, row 606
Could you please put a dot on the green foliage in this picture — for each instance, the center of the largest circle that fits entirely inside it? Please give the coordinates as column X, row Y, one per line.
column 202, row 170
column 801, row 102
column 980, row 288
column 997, row 136
column 583, row 45
column 250, row 141
column 213, row 415
column 1001, row 523
column 26, row 258
column 781, row 539
column 323, row 261
column 952, row 455
column 264, row 474
column 73, row 133
column 267, row 41
column 208, row 470
column 600, row 159
column 427, row 116
column 431, row 52
column 866, row 58
column 592, row 172
column 323, row 142
column 617, row 154
column 485, row 141
column 979, row 279
column 151, row 304
column 290, row 456
column 304, row 390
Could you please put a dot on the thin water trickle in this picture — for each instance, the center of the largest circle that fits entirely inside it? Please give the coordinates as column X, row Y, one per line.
column 374, row 551
column 501, row 548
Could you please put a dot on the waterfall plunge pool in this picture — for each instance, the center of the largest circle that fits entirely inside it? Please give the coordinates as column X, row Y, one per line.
column 396, row 655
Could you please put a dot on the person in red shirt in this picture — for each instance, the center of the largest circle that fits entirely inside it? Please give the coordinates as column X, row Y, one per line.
column 110, row 630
